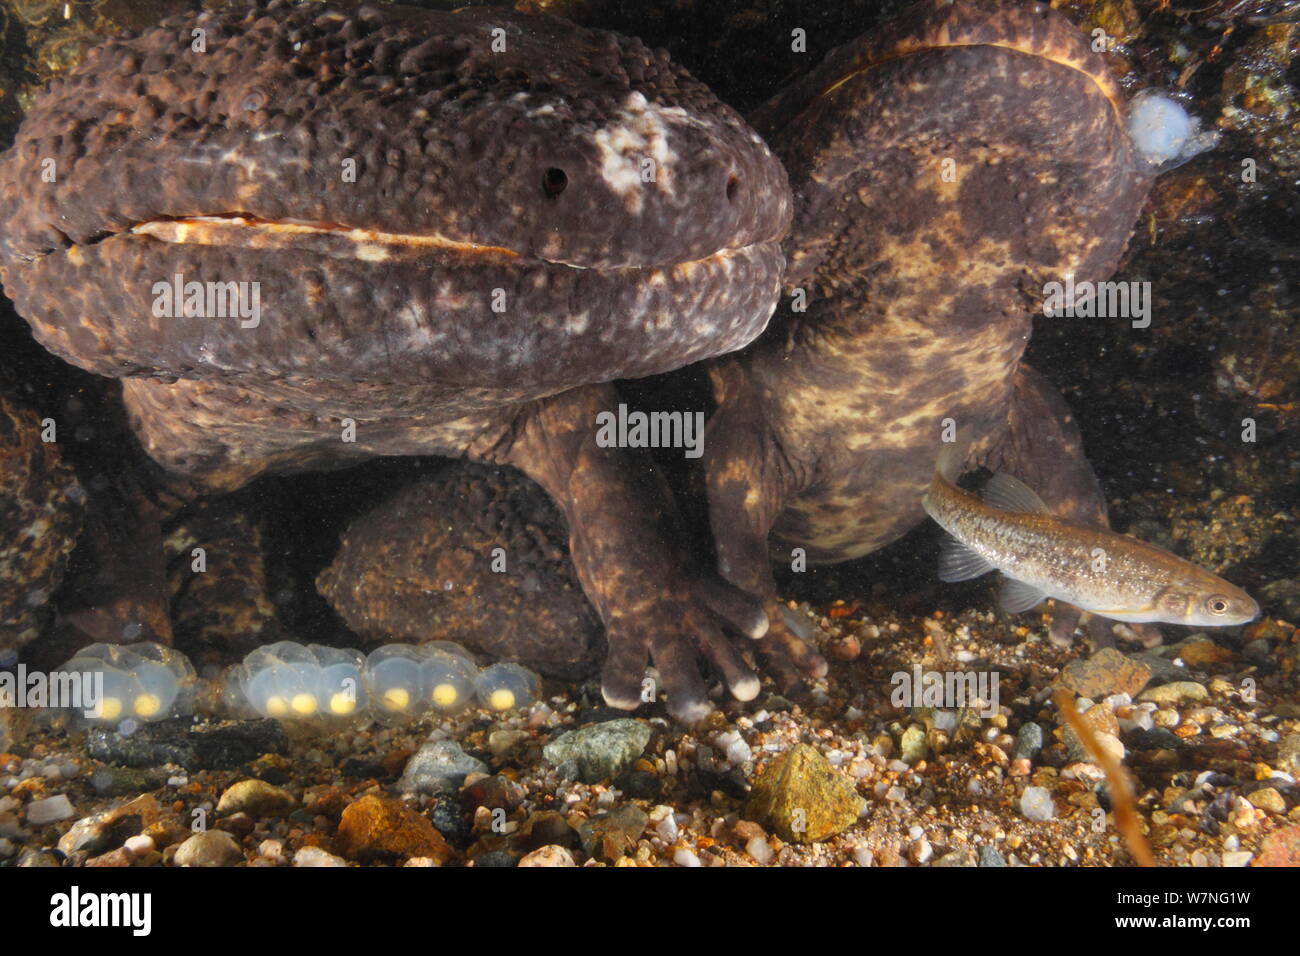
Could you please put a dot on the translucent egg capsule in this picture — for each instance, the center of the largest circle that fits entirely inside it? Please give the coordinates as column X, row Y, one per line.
column 283, row 681
column 395, row 682
column 138, row 682
column 447, row 678
column 165, row 679
column 342, row 685
column 506, row 686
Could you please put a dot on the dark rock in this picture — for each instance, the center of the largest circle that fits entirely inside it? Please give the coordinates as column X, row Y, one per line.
column 449, row 820
column 495, row 858
column 640, row 784
column 362, row 767
column 189, row 745
column 1157, row 738
column 1029, row 741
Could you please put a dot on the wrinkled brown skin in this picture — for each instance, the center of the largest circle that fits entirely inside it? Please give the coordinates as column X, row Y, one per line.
column 920, row 292
column 421, row 564
column 607, row 278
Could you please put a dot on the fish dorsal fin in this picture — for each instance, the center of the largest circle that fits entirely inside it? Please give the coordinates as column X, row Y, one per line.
column 1016, row 596
column 959, row 563
column 1007, row 493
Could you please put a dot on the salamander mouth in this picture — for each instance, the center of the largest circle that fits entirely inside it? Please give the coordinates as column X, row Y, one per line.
column 240, row 230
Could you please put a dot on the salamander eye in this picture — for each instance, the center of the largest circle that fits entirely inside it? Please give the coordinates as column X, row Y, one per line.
column 554, row 182
column 1216, row 604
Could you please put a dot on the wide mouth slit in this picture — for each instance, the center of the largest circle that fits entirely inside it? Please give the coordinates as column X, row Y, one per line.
column 243, row 230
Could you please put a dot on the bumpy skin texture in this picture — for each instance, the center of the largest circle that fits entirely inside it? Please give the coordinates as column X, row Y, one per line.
column 40, row 515
column 920, row 287
column 519, row 223
column 452, row 144
column 423, row 566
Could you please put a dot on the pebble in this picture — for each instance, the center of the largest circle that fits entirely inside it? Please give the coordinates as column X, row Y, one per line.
column 989, row 856
column 963, row 857
column 550, row 855
column 759, row 850
column 1175, row 692
column 920, row 851
column 1267, row 798
column 1237, row 858
column 97, row 833
column 50, row 810
column 256, row 798
column 211, row 848
column 1281, row 848
column 139, row 845
column 1029, row 741
column 601, row 751
column 1104, row 673
column 380, row 827
column 684, row 857
column 863, row 855
column 501, row 742
column 912, row 746
column 608, row 836
column 313, row 856
column 437, row 767
column 803, row 798
column 1036, row 804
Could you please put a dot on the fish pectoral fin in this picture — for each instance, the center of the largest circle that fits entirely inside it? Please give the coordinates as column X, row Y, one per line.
column 1016, row 596
column 959, row 563
column 1008, row 493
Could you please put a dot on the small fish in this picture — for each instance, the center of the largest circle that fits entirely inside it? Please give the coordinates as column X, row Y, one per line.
column 1040, row 556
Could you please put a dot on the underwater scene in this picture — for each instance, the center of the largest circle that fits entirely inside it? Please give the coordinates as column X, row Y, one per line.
column 587, row 433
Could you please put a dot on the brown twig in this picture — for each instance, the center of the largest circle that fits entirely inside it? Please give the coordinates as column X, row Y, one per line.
column 1122, row 799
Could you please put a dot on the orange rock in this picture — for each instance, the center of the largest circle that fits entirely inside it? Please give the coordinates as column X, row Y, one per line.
column 1201, row 654
column 376, row 826
column 1281, row 849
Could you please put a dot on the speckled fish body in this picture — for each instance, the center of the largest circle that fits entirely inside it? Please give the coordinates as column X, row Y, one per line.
column 1041, row 555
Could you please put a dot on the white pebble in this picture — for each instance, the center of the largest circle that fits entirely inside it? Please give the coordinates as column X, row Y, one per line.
column 1237, row 858
column 759, row 849
column 685, row 857
column 863, row 855
column 139, row 845
column 314, row 856
column 667, row 829
column 1036, row 804
column 50, row 810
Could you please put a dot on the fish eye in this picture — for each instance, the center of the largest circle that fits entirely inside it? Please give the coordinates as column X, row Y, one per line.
column 1217, row 604
column 733, row 187
column 554, row 182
